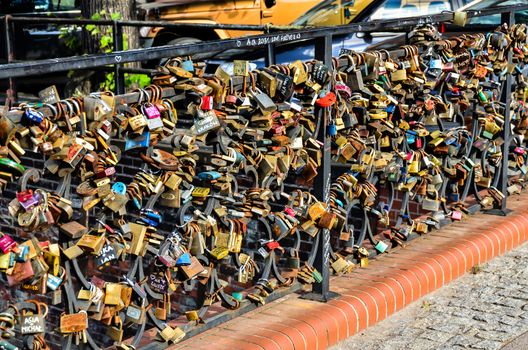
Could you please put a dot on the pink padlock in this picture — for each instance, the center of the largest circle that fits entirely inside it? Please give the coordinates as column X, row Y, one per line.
column 419, row 142
column 277, row 129
column 519, row 150
column 231, row 99
column 152, row 112
column 456, row 215
column 289, row 211
column 106, row 173
column 207, row 103
column 6, row 244
column 343, row 90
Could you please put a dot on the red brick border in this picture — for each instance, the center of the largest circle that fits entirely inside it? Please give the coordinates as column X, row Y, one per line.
column 370, row 295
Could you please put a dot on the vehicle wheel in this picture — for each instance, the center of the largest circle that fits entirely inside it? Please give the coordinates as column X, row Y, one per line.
column 185, row 41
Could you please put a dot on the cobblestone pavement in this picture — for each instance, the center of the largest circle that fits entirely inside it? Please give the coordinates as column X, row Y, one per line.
column 484, row 309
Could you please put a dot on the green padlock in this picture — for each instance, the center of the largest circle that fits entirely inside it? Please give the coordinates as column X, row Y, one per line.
column 317, row 276
column 487, row 134
column 381, row 247
column 7, row 346
column 237, row 296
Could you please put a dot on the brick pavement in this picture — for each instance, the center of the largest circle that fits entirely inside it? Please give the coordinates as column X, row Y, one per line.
column 480, row 310
column 390, row 283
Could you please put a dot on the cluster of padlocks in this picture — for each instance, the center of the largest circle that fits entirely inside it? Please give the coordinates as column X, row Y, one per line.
column 232, row 158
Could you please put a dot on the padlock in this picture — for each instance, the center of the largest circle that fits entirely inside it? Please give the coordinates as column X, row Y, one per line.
column 36, row 323
column 54, row 282
column 115, row 332
column 381, row 246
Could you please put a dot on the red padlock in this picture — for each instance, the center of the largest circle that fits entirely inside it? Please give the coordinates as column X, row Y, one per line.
column 272, row 245
column 24, row 195
column 207, row 103
column 327, row 100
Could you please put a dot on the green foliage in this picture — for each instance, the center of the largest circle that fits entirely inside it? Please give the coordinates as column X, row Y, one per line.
column 67, row 34
column 139, row 80
column 106, row 45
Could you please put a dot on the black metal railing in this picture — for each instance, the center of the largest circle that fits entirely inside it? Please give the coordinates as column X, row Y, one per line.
column 323, row 52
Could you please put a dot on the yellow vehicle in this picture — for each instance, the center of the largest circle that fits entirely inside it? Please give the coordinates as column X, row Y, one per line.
column 257, row 12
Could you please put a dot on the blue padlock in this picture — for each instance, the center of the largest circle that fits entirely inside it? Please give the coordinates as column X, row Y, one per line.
column 136, row 203
column 209, row 175
column 184, row 260
column 34, row 116
column 188, row 65
column 331, row 130
column 23, row 254
column 119, row 188
column 53, row 282
column 239, row 158
column 149, row 222
column 299, row 170
column 142, row 141
column 152, row 214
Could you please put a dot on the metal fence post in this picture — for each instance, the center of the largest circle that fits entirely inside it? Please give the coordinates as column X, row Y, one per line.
column 11, row 91
column 270, row 51
column 509, row 19
column 270, row 54
column 119, row 77
column 321, row 291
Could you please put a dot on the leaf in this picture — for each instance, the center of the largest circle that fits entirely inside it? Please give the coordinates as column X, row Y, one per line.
column 105, row 40
column 115, row 16
column 90, row 27
column 96, row 16
column 136, row 81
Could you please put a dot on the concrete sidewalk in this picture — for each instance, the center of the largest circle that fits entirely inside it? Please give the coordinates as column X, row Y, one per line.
column 484, row 309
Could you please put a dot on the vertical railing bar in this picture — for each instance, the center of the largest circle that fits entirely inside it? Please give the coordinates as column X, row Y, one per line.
column 509, row 18
column 11, row 91
column 119, row 78
column 270, row 54
column 321, row 291
column 270, row 50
